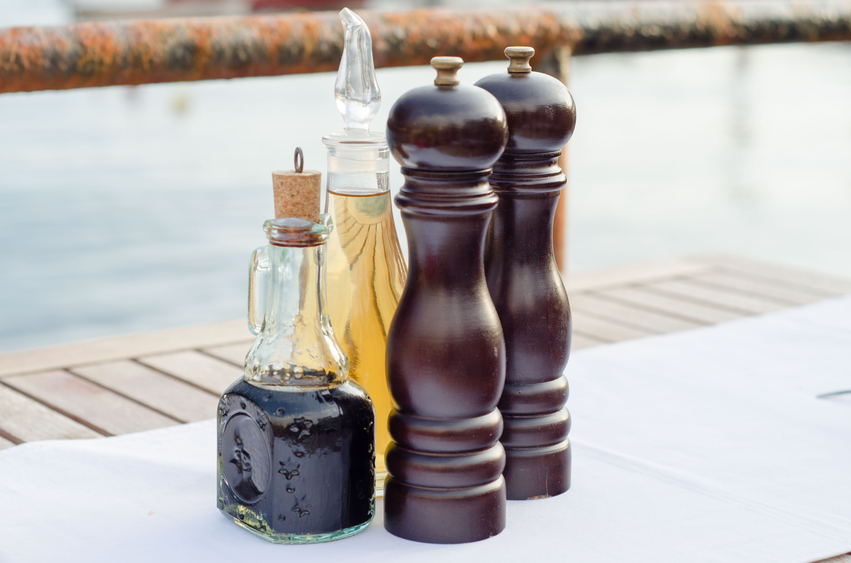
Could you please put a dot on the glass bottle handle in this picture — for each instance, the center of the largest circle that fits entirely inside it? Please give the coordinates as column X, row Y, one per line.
column 258, row 283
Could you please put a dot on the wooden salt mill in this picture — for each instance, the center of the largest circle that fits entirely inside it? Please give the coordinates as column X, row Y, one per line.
column 445, row 349
column 524, row 281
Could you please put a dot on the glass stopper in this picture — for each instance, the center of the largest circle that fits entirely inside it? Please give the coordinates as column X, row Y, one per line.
column 356, row 89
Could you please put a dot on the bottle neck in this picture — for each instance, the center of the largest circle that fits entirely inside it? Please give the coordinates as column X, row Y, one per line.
column 357, row 165
column 296, row 347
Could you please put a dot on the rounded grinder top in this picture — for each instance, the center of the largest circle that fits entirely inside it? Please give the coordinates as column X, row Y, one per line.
column 539, row 108
column 448, row 126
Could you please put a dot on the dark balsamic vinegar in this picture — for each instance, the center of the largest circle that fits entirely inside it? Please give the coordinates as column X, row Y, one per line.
column 297, row 465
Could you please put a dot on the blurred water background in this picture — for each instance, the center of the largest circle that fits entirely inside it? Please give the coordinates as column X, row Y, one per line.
column 128, row 209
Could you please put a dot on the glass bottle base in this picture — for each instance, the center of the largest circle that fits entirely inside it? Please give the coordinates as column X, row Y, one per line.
column 254, row 523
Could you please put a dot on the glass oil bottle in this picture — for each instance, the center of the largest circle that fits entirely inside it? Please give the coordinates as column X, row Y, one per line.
column 366, row 269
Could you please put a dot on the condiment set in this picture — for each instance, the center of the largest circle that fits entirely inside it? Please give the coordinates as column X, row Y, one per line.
column 441, row 386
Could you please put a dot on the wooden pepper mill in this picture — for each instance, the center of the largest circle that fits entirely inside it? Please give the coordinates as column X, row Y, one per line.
column 524, row 281
column 445, row 349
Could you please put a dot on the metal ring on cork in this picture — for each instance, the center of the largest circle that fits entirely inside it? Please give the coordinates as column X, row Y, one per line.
column 298, row 160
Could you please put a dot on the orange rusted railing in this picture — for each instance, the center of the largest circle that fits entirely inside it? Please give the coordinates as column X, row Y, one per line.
column 87, row 54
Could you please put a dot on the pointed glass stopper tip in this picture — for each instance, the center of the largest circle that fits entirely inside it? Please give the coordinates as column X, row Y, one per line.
column 356, row 89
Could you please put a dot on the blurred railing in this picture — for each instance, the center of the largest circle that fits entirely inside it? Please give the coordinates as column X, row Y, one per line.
column 89, row 54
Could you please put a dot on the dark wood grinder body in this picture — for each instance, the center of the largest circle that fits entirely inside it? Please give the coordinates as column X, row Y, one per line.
column 524, row 281
column 445, row 348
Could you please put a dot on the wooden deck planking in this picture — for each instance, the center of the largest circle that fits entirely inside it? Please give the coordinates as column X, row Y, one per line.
column 4, row 443
column 163, row 393
column 233, row 353
column 131, row 383
column 205, row 372
column 732, row 300
column 585, row 324
column 122, row 347
column 650, row 321
column 826, row 285
column 671, row 305
column 101, row 409
column 23, row 419
column 782, row 294
column 578, row 342
column 645, row 272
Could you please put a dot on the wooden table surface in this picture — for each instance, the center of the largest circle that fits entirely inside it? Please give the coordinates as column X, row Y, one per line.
column 138, row 382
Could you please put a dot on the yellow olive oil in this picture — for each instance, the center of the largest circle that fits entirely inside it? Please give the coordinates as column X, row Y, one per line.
column 366, row 274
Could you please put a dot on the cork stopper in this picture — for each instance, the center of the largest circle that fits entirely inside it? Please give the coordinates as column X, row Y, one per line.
column 447, row 68
column 519, row 59
column 297, row 192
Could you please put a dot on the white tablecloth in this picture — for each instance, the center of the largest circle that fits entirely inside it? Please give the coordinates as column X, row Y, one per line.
column 706, row 445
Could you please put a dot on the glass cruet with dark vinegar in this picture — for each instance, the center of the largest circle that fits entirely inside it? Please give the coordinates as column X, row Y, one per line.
column 296, row 437
column 366, row 268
